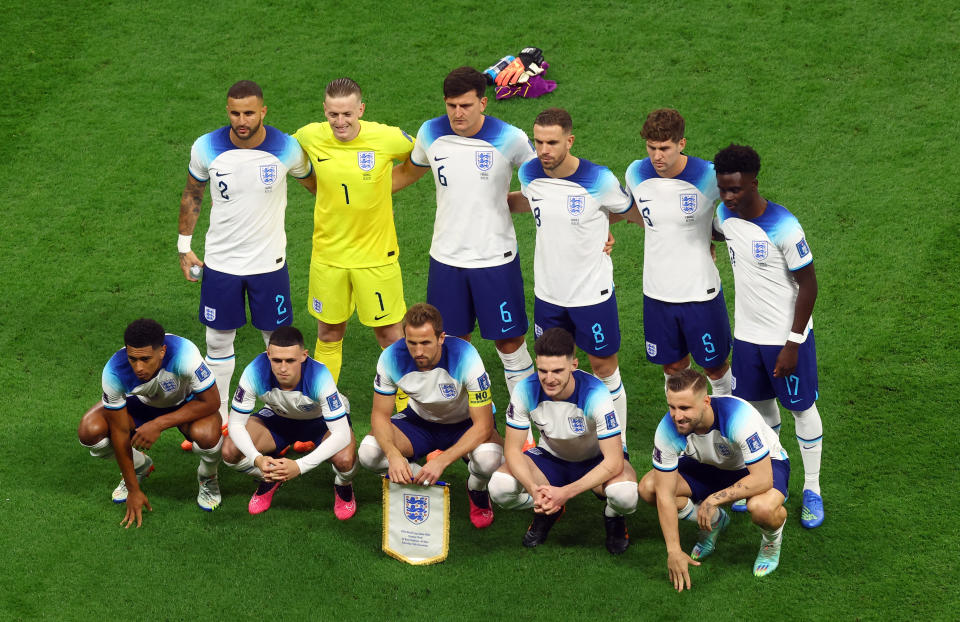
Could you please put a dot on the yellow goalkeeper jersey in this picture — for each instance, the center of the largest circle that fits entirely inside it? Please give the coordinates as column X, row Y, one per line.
column 353, row 217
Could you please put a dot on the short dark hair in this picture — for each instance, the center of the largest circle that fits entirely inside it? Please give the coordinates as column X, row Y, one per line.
column 555, row 342
column 462, row 80
column 245, row 88
column 144, row 332
column 555, row 116
column 424, row 313
column 342, row 87
column 663, row 124
column 286, row 336
column 686, row 379
column 737, row 159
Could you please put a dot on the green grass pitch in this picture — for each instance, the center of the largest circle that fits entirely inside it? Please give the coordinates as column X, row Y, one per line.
column 851, row 105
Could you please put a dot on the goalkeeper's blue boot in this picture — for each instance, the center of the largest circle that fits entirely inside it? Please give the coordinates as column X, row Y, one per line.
column 708, row 539
column 812, row 513
column 769, row 557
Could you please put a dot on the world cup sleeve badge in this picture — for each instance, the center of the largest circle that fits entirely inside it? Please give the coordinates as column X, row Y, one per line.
column 416, row 522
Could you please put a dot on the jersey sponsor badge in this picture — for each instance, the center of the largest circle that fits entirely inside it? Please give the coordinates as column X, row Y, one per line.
column 333, row 401
column 754, row 443
column 651, row 349
column 268, row 174
column 688, row 203
column 761, row 249
column 416, row 508
column 577, row 424
column 203, row 372
column 484, row 381
column 611, row 420
column 576, row 204
column 802, row 247
column 239, row 394
column 448, row 390
column 722, row 449
column 168, row 385
column 484, row 160
column 366, row 160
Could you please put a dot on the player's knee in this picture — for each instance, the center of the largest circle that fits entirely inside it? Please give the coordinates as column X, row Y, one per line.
column 345, row 459
column 93, row 427
column 99, row 449
column 504, row 489
column 646, row 489
column 220, row 342
column 622, row 497
column 206, row 447
column 371, row 455
column 677, row 367
column 230, row 454
column 485, row 459
column 762, row 511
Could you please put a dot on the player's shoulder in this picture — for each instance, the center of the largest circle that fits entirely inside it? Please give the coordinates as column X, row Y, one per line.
column 212, row 144
column 178, row 346
column 278, row 142
column 530, row 170
column 639, row 171
column 698, row 172
column 592, row 395
column 315, row 376
column 667, row 433
column 593, row 177
column 500, row 134
column 432, row 129
column 777, row 221
column 459, row 351
column 314, row 131
column 732, row 415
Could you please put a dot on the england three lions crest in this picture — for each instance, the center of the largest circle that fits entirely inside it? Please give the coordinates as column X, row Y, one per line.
column 761, row 249
column 484, row 160
column 416, row 508
column 577, row 424
column 576, row 204
column 268, row 174
column 448, row 390
column 366, row 160
column 688, row 203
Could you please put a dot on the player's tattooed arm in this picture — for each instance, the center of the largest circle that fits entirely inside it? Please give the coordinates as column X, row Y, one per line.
column 190, row 202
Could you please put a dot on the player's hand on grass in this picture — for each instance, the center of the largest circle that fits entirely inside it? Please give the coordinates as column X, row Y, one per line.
column 285, row 469
column 678, row 563
column 136, row 501
column 705, row 513
column 399, row 471
column 188, row 260
column 146, row 435
column 786, row 360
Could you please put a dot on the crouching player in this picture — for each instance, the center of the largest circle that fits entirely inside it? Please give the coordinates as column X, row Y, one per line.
column 301, row 404
column 709, row 452
column 579, row 447
column 449, row 408
column 157, row 381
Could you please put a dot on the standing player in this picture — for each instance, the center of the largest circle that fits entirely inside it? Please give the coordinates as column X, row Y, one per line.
column 449, row 409
column 355, row 254
column 474, row 266
column 707, row 453
column 572, row 200
column 301, row 404
column 684, row 312
column 245, row 248
column 579, row 448
column 155, row 382
column 774, row 354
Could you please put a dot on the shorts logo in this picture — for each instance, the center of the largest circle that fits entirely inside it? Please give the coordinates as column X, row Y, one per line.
column 657, row 456
column 317, row 306
column 333, row 401
column 802, row 247
column 576, row 204
column 651, row 349
column 688, row 203
column 733, row 382
column 611, row 419
column 722, row 449
column 203, row 372
column 577, row 424
column 268, row 174
column 761, row 249
column 484, row 381
column 536, row 451
column 754, row 443
column 484, row 160
column 448, row 390
column 537, row 330
column 416, row 508
column 366, row 160
column 209, row 313
column 239, row 394
column 265, row 412
column 168, row 385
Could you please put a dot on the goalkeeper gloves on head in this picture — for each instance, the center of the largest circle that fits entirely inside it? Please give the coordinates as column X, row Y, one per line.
column 522, row 68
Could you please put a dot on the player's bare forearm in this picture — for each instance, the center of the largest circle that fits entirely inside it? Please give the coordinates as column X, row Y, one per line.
column 513, row 456
column 190, row 203
column 479, row 432
column 118, row 423
column 406, row 174
column 665, row 484
column 309, row 182
column 380, row 425
column 203, row 405
column 806, row 279
column 610, row 466
column 759, row 479
column 517, row 202
column 632, row 215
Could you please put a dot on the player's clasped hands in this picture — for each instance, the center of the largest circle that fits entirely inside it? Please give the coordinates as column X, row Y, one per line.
column 279, row 469
column 549, row 499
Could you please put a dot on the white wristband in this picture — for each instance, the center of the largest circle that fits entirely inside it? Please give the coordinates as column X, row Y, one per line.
column 796, row 337
column 183, row 243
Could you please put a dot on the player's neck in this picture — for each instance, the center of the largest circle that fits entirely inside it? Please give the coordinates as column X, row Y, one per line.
column 757, row 207
column 473, row 131
column 707, row 422
column 566, row 168
column 250, row 143
column 677, row 168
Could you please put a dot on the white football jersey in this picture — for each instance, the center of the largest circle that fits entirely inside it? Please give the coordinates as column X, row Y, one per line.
column 678, row 219
column 570, row 268
column 248, row 192
column 764, row 252
column 182, row 374
column 737, row 438
column 473, row 227
column 443, row 394
column 569, row 429
column 315, row 396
